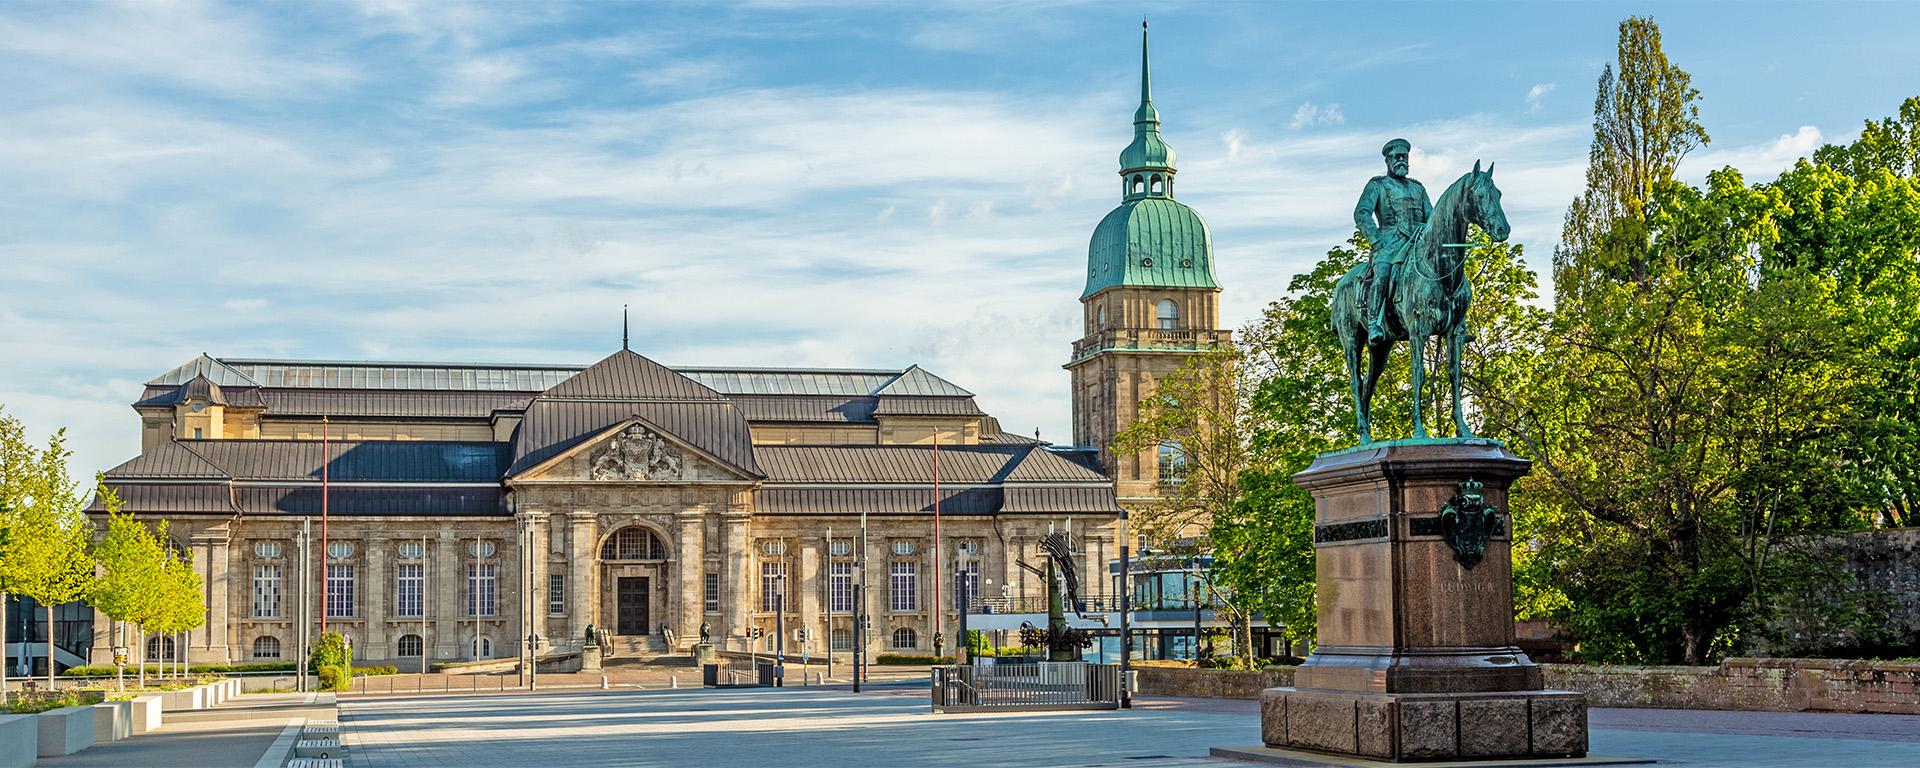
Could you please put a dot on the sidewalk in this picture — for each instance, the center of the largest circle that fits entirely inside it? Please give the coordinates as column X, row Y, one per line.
column 235, row 734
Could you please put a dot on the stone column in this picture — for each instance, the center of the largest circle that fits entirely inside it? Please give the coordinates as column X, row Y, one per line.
column 375, row 590
column 689, row 558
column 736, row 590
column 583, row 533
column 213, row 644
column 445, row 583
column 804, row 566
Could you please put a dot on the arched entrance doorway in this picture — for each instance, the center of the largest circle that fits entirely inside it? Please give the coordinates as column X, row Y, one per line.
column 633, row 562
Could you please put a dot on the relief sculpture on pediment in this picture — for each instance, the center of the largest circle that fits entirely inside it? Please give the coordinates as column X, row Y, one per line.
column 636, row 453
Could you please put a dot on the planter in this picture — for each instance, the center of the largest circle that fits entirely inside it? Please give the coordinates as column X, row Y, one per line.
column 112, row 721
column 19, row 741
column 184, row 699
column 65, row 731
column 146, row 712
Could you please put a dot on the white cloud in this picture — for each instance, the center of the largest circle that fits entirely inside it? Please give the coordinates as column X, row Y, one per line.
column 1235, row 140
column 1311, row 114
column 1535, row 93
column 1756, row 162
column 198, row 45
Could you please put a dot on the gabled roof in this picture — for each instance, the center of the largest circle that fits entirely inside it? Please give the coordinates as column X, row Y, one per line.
column 554, row 426
column 917, row 381
column 625, row 375
column 218, row 372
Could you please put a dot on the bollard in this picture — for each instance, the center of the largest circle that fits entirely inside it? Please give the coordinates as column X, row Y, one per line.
column 674, row 680
column 603, row 683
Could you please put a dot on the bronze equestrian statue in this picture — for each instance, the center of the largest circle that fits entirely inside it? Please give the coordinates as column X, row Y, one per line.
column 1415, row 286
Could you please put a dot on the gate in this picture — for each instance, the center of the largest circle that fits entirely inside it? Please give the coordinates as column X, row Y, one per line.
column 1066, row 685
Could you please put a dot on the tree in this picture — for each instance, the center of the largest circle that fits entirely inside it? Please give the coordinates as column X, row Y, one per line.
column 132, row 567
column 1644, row 122
column 46, row 556
column 181, row 604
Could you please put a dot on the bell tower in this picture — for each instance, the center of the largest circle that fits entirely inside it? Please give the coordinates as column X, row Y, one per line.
column 1151, row 301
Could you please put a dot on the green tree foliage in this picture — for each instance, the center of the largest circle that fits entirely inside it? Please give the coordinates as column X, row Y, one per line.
column 131, row 563
column 329, row 660
column 1728, row 370
column 46, row 548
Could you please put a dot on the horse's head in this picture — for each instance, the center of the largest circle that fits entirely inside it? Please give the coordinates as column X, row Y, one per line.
column 1483, row 204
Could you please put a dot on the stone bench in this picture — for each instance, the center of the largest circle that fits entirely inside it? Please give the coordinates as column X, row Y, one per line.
column 65, row 731
column 320, row 729
column 112, row 721
column 318, row 748
column 316, row 762
column 19, row 741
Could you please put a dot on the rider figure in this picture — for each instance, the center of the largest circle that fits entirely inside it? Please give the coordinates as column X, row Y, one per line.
column 1400, row 206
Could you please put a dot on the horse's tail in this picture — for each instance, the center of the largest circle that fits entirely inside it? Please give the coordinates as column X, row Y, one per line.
column 1344, row 309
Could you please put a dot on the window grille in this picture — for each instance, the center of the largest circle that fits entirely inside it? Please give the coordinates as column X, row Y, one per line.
column 556, row 594
column 340, row 591
column 411, row 645
column 266, row 647
column 633, row 543
column 409, row 582
column 904, row 638
column 712, row 593
column 842, row 640
column 481, row 597
column 840, row 587
column 773, row 587
column 266, row 591
column 906, row 583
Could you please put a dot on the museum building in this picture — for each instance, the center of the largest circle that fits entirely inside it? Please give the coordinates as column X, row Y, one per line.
column 467, row 506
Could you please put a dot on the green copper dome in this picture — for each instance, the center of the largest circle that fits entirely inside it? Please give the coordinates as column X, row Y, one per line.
column 1151, row 240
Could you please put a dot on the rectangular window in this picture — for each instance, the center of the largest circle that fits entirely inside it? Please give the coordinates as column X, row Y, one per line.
column 556, row 594
column 968, row 586
column 712, row 593
column 266, row 591
column 773, row 587
column 841, row 586
column 409, row 582
column 905, row 585
column 480, row 590
column 339, row 591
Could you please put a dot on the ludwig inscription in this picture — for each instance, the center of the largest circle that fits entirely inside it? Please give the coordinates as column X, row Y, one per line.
column 636, row 453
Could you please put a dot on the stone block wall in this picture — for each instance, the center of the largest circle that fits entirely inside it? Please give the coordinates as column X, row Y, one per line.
column 1775, row 685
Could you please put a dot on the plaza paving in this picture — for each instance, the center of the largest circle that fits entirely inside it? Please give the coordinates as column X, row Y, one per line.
column 740, row 728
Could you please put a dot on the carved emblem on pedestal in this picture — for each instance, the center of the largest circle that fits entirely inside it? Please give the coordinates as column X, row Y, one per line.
column 1467, row 522
column 636, row 453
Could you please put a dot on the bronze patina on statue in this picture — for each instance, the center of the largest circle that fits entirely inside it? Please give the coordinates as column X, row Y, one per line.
column 1415, row 286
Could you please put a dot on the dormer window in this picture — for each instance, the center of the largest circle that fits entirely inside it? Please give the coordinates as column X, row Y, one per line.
column 1168, row 315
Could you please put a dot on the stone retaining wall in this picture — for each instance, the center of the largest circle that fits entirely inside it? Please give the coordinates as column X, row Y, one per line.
column 1780, row 685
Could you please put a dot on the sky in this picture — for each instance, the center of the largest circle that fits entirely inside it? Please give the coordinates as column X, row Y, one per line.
column 817, row 184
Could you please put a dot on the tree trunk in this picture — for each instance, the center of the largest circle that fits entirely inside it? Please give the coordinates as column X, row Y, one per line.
column 49, row 649
column 3, row 648
column 142, row 635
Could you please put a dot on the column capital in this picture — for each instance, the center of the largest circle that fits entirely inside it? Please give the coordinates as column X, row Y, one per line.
column 583, row 515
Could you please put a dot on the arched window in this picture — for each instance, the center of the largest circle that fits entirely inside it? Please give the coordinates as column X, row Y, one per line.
column 1139, row 184
column 482, row 647
column 842, row 640
column 1172, row 463
column 1168, row 315
column 905, row 637
column 160, row 648
column 410, row 645
column 1159, row 186
column 1103, row 318
column 633, row 543
column 266, row 647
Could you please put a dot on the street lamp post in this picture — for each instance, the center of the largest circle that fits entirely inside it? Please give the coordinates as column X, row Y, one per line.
column 780, row 632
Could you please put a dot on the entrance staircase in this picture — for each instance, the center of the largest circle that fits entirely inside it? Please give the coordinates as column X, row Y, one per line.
column 635, row 646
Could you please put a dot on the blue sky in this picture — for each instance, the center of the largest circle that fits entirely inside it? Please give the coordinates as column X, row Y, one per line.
column 810, row 184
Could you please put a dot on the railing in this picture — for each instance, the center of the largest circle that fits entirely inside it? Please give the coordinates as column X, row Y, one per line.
column 1148, row 339
column 1041, row 686
column 996, row 605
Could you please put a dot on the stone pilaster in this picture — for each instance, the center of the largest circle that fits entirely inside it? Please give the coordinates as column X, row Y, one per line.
column 584, row 533
column 375, row 595
column 736, row 589
column 687, row 560
column 443, row 595
column 211, row 642
column 535, row 573
column 804, row 565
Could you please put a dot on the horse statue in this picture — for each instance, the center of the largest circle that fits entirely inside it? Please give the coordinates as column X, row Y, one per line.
column 1430, row 297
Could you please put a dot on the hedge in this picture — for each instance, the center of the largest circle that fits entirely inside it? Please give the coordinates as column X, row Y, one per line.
column 108, row 670
column 910, row 659
column 377, row 670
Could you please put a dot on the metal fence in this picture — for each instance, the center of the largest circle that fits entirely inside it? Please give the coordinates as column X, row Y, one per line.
column 1039, row 686
column 1038, row 604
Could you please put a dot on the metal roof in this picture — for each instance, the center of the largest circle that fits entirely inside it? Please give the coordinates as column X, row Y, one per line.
column 1153, row 242
column 392, row 461
column 552, row 426
column 834, row 409
column 965, row 464
column 625, row 375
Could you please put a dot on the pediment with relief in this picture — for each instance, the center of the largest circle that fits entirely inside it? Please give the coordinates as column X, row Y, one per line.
column 636, row 453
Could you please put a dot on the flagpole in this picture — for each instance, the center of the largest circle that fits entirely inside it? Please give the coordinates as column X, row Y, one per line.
column 939, row 552
column 326, row 458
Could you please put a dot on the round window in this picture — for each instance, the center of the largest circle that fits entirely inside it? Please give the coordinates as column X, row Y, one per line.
column 481, row 549
column 840, row 548
column 340, row 550
column 903, row 547
column 266, row 549
column 774, row 547
column 412, row 550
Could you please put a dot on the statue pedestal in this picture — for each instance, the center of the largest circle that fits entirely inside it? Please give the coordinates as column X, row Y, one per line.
column 590, row 658
column 1416, row 657
column 703, row 654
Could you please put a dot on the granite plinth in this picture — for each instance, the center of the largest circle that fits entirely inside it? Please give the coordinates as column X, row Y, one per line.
column 590, row 658
column 1426, row 726
column 703, row 654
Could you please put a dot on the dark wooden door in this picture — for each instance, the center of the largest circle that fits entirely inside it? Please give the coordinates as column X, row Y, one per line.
column 632, row 605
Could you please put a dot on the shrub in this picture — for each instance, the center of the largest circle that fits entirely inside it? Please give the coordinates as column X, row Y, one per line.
column 35, row 703
column 377, row 670
column 332, row 679
column 108, row 670
column 330, row 661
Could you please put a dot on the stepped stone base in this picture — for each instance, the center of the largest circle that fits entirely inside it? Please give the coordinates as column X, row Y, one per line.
column 1426, row 726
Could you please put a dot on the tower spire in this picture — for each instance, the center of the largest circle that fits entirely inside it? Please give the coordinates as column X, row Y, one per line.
column 1146, row 113
column 623, row 326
